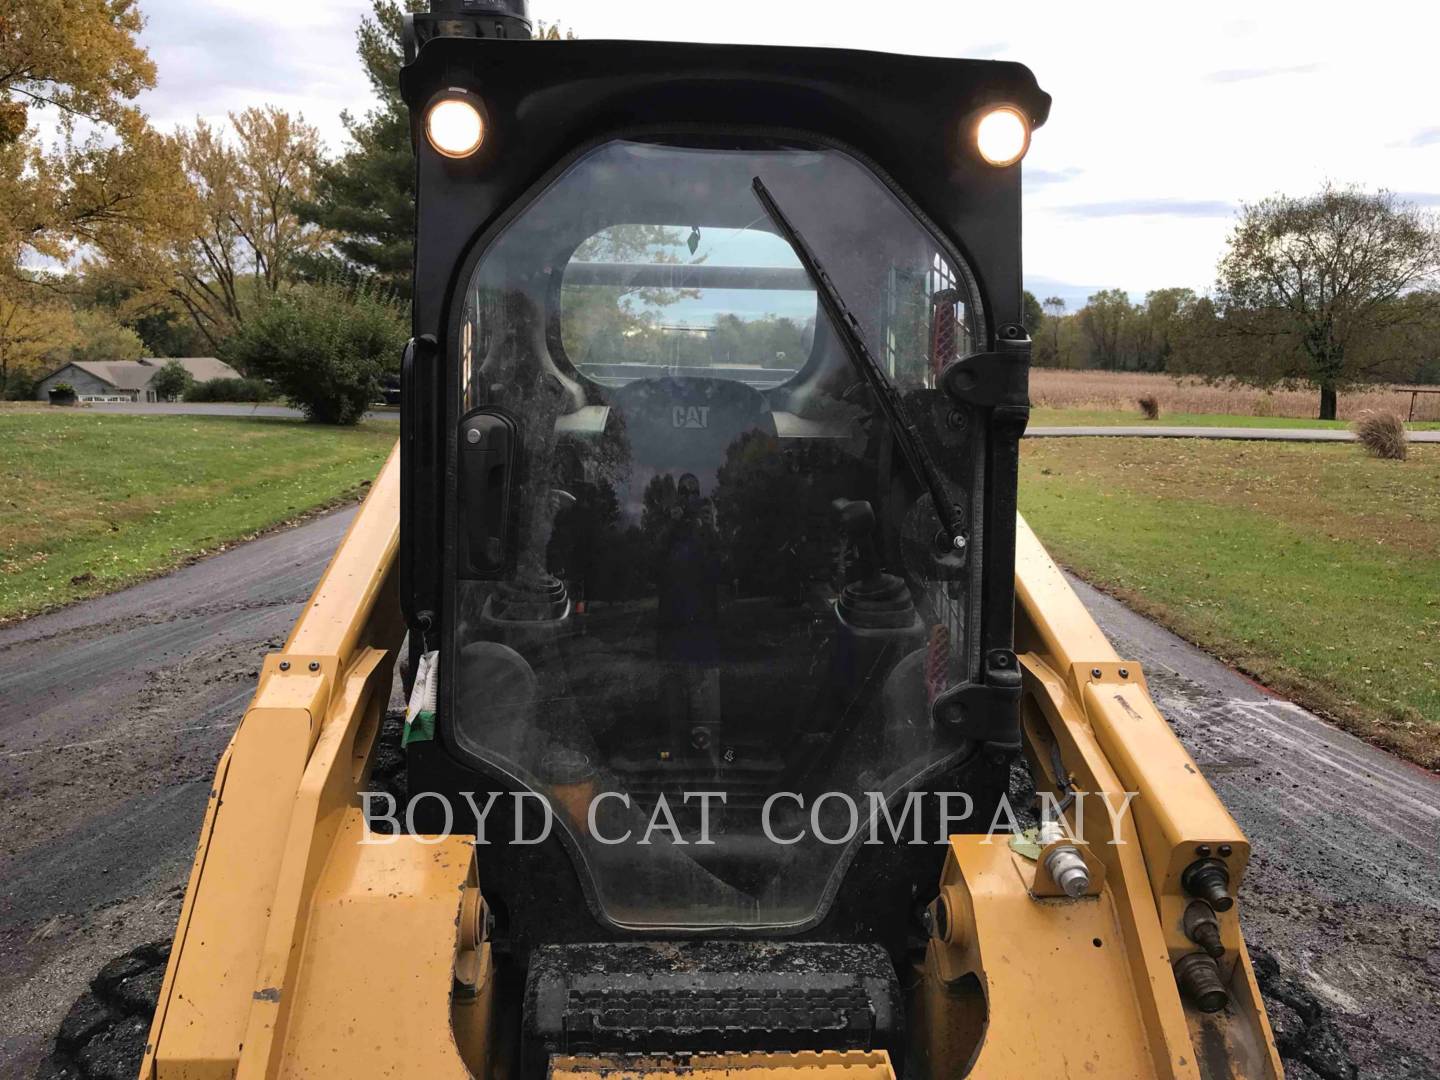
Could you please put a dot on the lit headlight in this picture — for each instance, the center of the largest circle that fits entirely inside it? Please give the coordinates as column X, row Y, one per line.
column 454, row 127
column 1003, row 135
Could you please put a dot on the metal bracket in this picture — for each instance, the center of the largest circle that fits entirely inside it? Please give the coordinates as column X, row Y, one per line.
column 989, row 379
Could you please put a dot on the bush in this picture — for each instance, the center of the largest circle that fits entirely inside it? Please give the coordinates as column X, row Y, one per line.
column 1150, row 406
column 244, row 390
column 323, row 347
column 171, row 381
column 1382, row 434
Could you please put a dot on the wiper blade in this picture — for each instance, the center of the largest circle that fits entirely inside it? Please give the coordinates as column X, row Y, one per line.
column 907, row 435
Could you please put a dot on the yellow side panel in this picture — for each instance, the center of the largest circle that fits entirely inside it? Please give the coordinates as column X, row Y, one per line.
column 214, row 971
column 373, row 993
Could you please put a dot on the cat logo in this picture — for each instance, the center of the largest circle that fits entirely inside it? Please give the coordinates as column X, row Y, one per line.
column 690, row 416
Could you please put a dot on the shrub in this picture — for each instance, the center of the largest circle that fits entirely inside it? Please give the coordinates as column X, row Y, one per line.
column 323, row 347
column 171, row 381
column 1150, row 406
column 1382, row 434
column 229, row 390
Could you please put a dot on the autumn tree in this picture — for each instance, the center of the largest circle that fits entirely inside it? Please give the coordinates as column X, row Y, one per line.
column 233, row 235
column 28, row 330
column 72, row 60
column 1326, row 288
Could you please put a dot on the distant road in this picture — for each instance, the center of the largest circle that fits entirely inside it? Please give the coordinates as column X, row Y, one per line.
column 1255, row 434
column 189, row 408
column 1147, row 432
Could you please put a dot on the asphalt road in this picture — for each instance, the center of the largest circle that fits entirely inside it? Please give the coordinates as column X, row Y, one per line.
column 114, row 712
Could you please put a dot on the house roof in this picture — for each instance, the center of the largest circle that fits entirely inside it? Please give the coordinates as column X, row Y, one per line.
column 136, row 374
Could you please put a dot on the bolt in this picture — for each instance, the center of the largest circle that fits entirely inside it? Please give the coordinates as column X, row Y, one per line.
column 1203, row 851
column 284, row 665
column 1225, row 851
column 1124, row 673
column 959, row 543
column 1095, row 673
column 1199, row 978
column 314, row 665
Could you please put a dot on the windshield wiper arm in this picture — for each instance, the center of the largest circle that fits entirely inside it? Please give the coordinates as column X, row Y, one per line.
column 907, row 435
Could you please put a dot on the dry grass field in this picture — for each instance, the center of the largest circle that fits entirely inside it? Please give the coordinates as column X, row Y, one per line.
column 1052, row 388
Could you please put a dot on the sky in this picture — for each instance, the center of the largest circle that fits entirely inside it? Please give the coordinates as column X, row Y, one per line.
column 1166, row 116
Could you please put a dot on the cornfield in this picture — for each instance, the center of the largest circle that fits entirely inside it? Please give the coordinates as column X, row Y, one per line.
column 1056, row 388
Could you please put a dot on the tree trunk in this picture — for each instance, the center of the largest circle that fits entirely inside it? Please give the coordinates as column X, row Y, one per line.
column 1327, row 402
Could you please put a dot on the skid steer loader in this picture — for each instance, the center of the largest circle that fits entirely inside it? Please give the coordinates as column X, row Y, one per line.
column 750, row 732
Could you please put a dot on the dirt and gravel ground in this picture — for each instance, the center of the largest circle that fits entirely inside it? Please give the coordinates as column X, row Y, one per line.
column 113, row 713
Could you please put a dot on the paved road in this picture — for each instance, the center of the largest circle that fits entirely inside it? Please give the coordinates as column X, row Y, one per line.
column 113, row 713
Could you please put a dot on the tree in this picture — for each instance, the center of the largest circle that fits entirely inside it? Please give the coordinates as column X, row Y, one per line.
column 98, row 335
column 1164, row 317
column 324, row 346
column 1319, row 287
column 233, row 234
column 29, row 329
column 1031, row 313
column 78, row 60
column 1104, row 320
column 171, row 381
column 1047, row 343
column 78, row 56
column 366, row 198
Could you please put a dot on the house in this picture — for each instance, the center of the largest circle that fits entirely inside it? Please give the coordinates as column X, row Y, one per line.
column 127, row 380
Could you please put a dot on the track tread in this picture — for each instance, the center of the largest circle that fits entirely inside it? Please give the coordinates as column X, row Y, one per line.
column 103, row 1035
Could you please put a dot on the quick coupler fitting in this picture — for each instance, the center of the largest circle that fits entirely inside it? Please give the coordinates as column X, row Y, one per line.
column 1067, row 867
column 1203, row 928
column 1199, row 980
column 1209, row 879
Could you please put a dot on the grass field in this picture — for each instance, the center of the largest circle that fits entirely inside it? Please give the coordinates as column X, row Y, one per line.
column 1047, row 417
column 1311, row 566
column 1116, row 393
column 92, row 502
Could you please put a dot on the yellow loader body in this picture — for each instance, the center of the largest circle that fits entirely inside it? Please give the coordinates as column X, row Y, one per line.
column 308, row 947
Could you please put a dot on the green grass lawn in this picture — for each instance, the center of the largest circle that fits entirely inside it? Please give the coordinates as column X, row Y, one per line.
column 1311, row 566
column 1121, row 418
column 92, row 502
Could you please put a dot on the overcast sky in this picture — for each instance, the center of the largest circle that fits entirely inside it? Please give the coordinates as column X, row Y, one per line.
column 1165, row 117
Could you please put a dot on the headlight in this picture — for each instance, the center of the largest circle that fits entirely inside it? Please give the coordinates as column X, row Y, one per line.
column 1003, row 135
column 454, row 127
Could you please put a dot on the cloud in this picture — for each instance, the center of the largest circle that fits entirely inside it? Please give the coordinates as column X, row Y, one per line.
column 1033, row 178
column 1243, row 74
column 213, row 59
column 1194, row 208
column 1424, row 137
